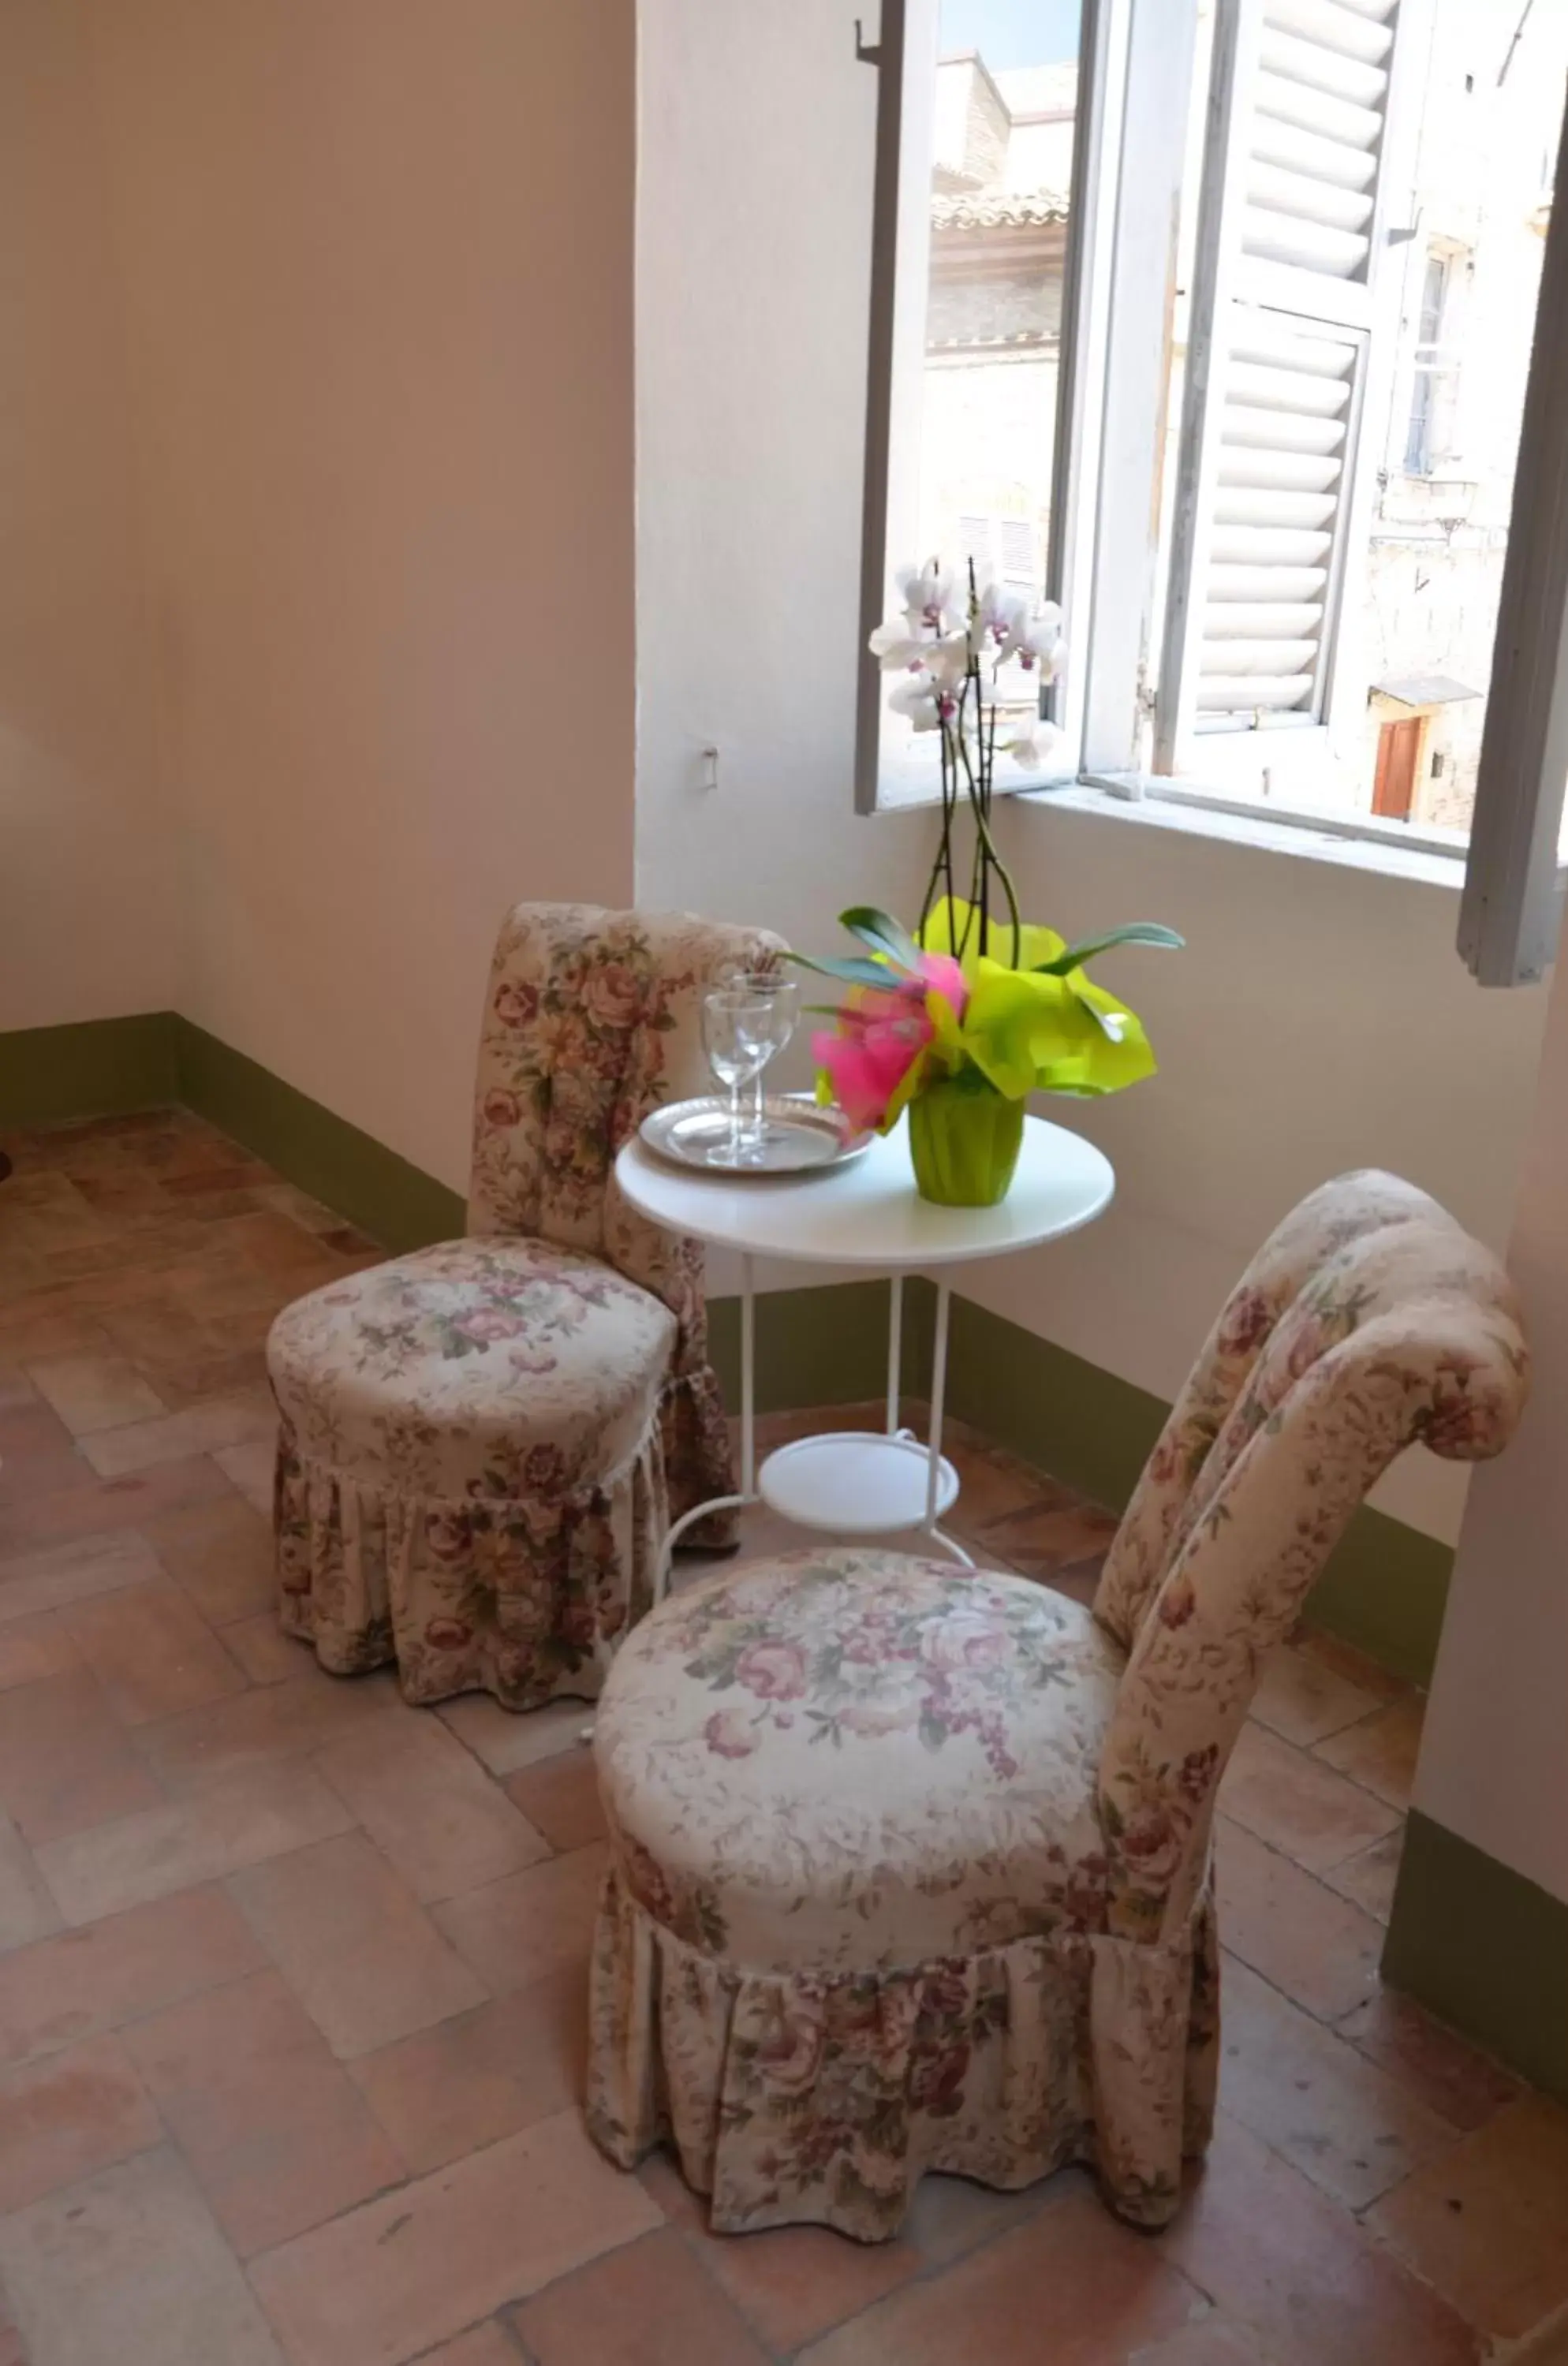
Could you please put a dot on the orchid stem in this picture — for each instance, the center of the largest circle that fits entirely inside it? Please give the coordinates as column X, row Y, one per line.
column 995, row 860
column 978, row 904
column 1001, row 866
column 955, row 758
column 949, row 806
column 955, row 753
column 944, row 855
column 979, row 812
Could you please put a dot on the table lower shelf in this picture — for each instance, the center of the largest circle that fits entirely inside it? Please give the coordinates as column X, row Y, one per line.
column 856, row 1482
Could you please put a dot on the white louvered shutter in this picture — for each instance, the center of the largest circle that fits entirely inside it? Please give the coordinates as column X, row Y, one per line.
column 1002, row 549
column 1282, row 309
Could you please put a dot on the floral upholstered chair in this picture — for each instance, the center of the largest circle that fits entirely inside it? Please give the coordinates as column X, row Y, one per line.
column 911, row 1865
column 482, row 1443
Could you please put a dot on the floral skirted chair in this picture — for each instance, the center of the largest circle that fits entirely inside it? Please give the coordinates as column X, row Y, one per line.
column 481, row 1444
column 910, row 1865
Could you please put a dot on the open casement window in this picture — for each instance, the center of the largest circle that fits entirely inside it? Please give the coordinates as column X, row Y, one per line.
column 1262, row 219
column 983, row 352
column 1273, row 468
column 1511, row 911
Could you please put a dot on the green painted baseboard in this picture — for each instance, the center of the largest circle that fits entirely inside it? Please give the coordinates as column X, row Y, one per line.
column 397, row 1203
column 1383, row 1590
column 1385, row 1586
column 107, row 1067
column 103, row 1067
column 1078, row 1424
column 826, row 1346
column 1484, row 1948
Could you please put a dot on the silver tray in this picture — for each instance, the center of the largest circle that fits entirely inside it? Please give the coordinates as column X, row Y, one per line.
column 801, row 1137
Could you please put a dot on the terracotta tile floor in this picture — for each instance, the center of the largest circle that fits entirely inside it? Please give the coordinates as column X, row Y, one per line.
column 291, row 1974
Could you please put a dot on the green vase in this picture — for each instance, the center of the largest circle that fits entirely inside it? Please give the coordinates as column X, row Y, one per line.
column 964, row 1140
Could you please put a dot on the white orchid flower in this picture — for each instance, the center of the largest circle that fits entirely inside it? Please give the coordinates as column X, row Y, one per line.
column 934, row 607
column 943, row 663
column 1040, row 644
column 1002, row 618
column 926, row 703
column 1030, row 743
column 936, row 597
column 947, row 660
column 1029, row 637
column 896, row 649
column 943, row 639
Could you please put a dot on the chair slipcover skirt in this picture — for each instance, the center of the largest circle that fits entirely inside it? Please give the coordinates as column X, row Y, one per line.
column 845, row 1938
column 792, row 2098
column 471, row 1469
column 482, row 1445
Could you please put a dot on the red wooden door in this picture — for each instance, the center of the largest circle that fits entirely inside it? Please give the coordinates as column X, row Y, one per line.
column 1399, row 748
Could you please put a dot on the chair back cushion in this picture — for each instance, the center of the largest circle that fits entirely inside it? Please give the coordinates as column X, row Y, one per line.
column 1369, row 1322
column 592, row 1019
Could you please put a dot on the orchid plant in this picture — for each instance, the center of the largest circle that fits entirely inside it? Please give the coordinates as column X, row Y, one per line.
column 976, row 998
column 961, row 646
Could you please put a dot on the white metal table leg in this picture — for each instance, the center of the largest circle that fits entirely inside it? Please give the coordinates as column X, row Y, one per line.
column 939, row 1393
column 939, row 1401
column 748, row 1379
column 895, row 1349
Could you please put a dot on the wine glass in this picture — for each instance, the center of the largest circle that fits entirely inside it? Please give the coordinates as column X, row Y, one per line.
column 737, row 1039
column 778, row 1000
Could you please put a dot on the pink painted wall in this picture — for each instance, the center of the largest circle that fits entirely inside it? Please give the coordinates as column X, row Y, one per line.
column 85, row 920
column 1494, row 1749
column 376, row 257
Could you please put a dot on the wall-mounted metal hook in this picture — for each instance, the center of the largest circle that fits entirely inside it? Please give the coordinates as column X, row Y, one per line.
column 868, row 52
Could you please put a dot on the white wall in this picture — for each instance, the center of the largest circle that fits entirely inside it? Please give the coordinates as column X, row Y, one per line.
column 84, row 876
column 377, row 256
column 1493, row 1766
column 1319, row 1020
column 754, row 267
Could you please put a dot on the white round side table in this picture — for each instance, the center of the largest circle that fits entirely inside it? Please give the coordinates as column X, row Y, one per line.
column 866, row 1213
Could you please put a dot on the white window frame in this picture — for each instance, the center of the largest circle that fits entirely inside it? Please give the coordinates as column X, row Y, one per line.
column 899, row 275
column 1136, row 61
column 1434, row 362
column 1511, row 911
column 1357, row 314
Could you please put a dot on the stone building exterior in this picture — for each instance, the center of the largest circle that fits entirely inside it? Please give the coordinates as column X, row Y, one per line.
column 1477, row 215
column 998, row 222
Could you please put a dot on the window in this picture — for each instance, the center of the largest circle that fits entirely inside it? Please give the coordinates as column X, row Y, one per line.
column 972, row 282
column 1285, row 292
column 1172, row 295
column 1341, row 521
column 1430, row 365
